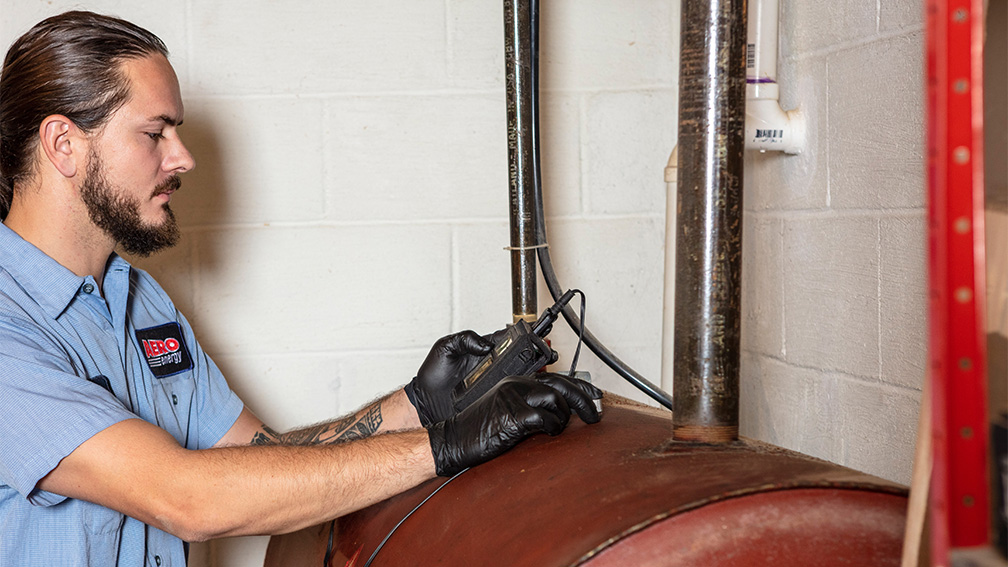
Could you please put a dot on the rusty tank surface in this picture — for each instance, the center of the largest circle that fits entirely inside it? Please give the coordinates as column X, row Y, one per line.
column 620, row 493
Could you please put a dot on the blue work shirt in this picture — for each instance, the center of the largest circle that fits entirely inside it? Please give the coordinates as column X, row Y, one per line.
column 73, row 363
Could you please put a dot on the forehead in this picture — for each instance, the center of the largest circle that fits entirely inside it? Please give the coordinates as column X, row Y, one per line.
column 154, row 90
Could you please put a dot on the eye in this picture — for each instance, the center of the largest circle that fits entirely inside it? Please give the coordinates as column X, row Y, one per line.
column 154, row 135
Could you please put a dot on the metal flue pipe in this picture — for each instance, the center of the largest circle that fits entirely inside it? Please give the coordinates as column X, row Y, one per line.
column 712, row 83
column 518, row 83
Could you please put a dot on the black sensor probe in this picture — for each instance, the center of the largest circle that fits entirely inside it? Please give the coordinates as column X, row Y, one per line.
column 520, row 352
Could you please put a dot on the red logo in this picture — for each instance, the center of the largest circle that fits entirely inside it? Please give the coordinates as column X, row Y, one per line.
column 165, row 349
column 157, row 347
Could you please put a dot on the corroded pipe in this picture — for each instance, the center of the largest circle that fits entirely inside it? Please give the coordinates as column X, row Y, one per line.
column 518, row 83
column 712, row 86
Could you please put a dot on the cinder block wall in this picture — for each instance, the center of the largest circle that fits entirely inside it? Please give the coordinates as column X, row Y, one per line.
column 834, row 333
column 349, row 205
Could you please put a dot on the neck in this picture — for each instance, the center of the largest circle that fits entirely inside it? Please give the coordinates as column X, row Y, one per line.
column 63, row 231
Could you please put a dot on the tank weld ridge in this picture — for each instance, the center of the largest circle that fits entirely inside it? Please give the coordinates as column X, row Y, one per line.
column 842, row 485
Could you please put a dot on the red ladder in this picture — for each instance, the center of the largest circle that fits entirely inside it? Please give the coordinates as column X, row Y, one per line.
column 959, row 503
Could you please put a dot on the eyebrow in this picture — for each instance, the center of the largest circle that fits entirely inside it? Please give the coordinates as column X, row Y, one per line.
column 167, row 120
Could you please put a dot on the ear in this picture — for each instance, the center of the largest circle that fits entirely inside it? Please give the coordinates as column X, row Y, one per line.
column 63, row 144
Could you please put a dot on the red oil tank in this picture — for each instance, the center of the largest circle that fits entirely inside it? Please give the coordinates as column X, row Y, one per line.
column 621, row 493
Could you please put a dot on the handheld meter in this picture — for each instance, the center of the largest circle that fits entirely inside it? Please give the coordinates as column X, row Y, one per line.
column 522, row 351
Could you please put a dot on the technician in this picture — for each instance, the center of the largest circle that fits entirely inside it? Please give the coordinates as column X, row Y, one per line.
column 121, row 438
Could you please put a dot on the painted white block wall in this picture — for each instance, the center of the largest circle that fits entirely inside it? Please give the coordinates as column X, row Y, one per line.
column 349, row 205
column 834, row 281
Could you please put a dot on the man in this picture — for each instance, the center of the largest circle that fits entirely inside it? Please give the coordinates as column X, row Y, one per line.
column 121, row 437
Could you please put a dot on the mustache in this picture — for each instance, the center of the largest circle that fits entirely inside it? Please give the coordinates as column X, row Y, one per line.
column 171, row 184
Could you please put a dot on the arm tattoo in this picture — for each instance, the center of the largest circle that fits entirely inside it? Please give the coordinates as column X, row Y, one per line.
column 346, row 429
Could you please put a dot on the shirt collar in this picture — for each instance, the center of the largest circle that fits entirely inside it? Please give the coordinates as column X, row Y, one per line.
column 48, row 282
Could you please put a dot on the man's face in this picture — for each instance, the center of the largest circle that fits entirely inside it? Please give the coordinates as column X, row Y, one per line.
column 135, row 160
column 117, row 212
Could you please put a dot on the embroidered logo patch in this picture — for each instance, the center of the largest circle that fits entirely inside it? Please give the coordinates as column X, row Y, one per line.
column 165, row 350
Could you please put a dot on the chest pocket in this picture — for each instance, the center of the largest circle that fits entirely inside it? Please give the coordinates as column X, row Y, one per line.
column 173, row 387
column 99, row 520
column 174, row 399
column 103, row 531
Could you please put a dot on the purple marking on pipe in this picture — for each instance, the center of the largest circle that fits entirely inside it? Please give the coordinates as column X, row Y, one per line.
column 761, row 81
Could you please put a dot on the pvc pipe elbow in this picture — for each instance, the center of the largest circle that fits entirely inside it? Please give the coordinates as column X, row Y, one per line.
column 768, row 127
column 671, row 170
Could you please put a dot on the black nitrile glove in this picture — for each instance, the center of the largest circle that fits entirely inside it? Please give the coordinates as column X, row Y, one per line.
column 447, row 363
column 517, row 407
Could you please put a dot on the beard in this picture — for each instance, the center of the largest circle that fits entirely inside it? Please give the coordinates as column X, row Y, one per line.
column 118, row 214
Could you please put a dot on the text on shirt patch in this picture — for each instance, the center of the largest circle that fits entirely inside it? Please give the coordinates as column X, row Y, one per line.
column 164, row 349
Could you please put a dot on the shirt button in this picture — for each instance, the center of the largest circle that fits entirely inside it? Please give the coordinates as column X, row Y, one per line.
column 157, row 559
column 88, row 288
column 174, row 399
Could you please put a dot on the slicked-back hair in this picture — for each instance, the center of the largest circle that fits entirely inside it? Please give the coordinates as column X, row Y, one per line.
column 70, row 64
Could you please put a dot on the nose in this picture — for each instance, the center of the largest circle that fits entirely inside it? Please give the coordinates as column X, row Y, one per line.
column 179, row 159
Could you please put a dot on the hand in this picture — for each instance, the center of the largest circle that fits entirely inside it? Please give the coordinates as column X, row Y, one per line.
column 517, row 407
column 448, row 362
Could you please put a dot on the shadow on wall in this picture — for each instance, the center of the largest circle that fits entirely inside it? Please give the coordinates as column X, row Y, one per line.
column 207, row 201
column 202, row 201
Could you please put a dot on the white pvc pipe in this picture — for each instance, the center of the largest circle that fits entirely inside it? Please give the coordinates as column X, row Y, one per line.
column 768, row 127
column 668, row 309
column 761, row 50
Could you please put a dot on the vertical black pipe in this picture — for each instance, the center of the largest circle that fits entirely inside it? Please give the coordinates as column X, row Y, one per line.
column 705, row 391
column 518, row 83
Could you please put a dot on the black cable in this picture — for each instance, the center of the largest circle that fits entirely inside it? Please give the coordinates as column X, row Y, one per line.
column 546, row 264
column 422, row 502
column 327, row 558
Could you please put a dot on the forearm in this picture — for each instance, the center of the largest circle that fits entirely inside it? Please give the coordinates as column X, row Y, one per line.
column 351, row 477
column 278, row 489
column 393, row 412
column 139, row 470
